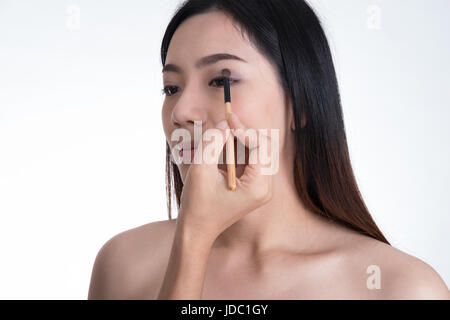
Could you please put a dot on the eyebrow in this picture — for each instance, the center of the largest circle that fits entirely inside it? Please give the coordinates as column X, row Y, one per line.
column 203, row 62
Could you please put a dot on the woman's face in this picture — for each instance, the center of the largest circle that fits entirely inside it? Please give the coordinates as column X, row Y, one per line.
column 193, row 95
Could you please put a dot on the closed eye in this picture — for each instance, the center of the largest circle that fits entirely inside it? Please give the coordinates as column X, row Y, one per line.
column 171, row 90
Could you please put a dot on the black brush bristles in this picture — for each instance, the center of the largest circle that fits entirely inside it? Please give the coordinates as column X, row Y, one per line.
column 226, row 85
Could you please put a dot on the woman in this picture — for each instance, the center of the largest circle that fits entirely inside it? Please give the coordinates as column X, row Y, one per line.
column 301, row 233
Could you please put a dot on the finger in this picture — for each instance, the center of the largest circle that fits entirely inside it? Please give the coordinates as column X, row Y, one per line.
column 247, row 136
column 240, row 131
column 255, row 182
column 258, row 141
column 213, row 141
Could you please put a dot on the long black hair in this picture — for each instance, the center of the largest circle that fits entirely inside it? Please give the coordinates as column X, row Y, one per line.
column 290, row 35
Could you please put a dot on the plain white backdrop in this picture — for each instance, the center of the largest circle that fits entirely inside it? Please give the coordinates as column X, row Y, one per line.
column 82, row 148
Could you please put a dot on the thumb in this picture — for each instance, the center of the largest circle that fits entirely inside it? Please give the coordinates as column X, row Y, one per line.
column 259, row 146
column 249, row 138
column 245, row 136
column 213, row 142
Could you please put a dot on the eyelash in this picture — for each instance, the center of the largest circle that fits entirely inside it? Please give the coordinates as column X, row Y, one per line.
column 164, row 90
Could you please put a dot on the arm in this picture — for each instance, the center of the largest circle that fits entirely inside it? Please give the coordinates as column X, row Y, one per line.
column 185, row 272
column 207, row 208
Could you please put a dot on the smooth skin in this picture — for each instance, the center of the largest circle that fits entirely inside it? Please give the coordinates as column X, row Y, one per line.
column 259, row 241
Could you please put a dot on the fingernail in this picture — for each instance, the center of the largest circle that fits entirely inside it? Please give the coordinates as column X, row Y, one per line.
column 233, row 117
column 222, row 125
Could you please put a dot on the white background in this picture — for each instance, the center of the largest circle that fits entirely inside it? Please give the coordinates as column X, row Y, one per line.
column 82, row 147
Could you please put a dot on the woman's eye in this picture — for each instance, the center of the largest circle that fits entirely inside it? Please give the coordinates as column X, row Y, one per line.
column 220, row 81
column 169, row 90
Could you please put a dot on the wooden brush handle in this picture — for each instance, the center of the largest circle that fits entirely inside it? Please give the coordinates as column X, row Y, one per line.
column 231, row 168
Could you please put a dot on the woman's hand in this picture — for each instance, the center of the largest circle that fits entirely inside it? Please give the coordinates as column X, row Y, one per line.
column 207, row 206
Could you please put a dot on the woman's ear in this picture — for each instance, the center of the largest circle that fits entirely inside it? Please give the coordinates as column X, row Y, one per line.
column 291, row 118
column 302, row 121
column 290, row 111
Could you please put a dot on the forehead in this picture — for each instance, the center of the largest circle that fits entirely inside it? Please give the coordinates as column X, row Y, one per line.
column 208, row 33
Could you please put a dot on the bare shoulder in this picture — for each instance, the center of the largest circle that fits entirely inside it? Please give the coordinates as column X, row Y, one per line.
column 409, row 277
column 128, row 265
column 393, row 274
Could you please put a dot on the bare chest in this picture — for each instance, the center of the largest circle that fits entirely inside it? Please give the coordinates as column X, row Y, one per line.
column 288, row 279
column 278, row 277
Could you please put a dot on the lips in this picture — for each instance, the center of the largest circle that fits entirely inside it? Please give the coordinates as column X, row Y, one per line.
column 191, row 150
column 186, row 148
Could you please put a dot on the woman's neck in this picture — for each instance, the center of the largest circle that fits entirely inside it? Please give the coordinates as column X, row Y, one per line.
column 281, row 224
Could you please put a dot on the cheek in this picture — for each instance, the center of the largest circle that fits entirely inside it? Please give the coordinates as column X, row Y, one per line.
column 165, row 117
column 249, row 109
column 263, row 112
column 260, row 112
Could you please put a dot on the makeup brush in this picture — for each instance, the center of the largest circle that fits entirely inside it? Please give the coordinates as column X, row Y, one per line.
column 231, row 169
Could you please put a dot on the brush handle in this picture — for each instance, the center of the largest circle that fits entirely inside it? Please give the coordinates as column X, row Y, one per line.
column 231, row 168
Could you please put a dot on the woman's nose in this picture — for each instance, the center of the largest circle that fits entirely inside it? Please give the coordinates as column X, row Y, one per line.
column 187, row 111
